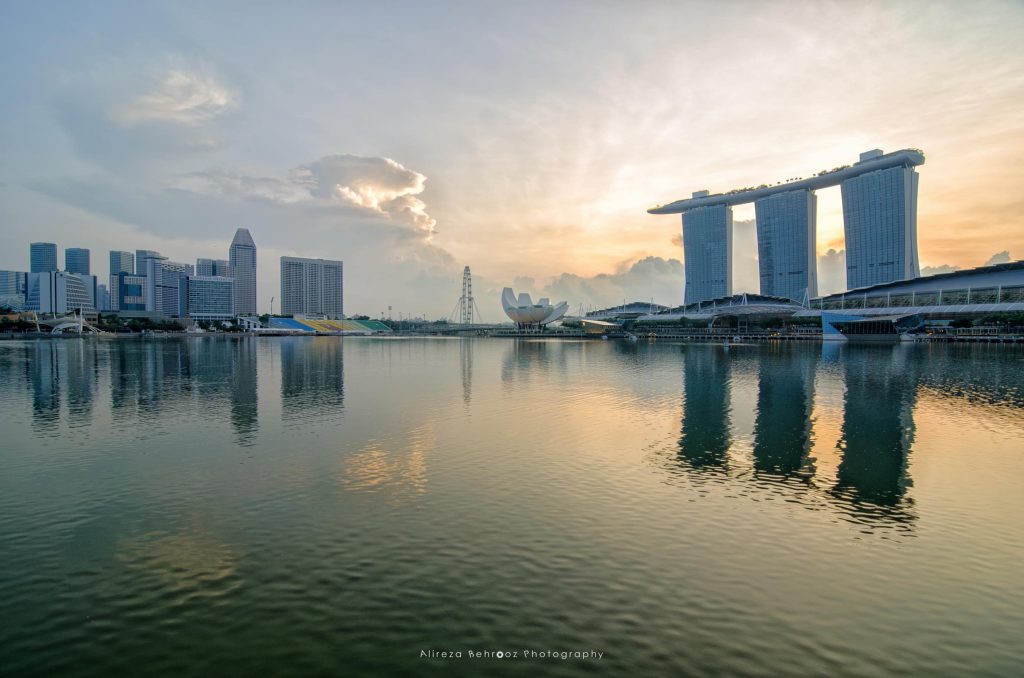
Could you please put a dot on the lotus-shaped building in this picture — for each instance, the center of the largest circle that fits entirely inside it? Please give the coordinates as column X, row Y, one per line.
column 527, row 314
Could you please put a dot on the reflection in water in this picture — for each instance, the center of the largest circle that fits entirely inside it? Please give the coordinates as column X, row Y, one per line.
column 312, row 378
column 43, row 371
column 878, row 428
column 785, row 397
column 871, row 480
column 466, row 365
column 704, row 441
column 244, row 406
column 398, row 470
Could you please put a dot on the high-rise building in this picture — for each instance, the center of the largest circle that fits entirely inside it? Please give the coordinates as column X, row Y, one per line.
column 102, row 298
column 880, row 219
column 211, row 297
column 76, row 260
column 140, row 260
column 59, row 292
column 131, row 292
column 242, row 259
column 120, row 262
column 312, row 287
column 166, row 286
column 786, row 243
column 213, row 268
column 43, row 257
column 707, row 248
column 13, row 289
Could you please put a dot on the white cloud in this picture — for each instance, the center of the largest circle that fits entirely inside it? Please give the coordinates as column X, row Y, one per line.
column 999, row 258
column 379, row 186
column 651, row 277
column 179, row 97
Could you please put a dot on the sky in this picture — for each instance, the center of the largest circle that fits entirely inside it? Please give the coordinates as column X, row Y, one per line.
column 525, row 140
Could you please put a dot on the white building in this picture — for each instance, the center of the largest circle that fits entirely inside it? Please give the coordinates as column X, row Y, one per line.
column 166, row 286
column 60, row 292
column 312, row 287
column 211, row 297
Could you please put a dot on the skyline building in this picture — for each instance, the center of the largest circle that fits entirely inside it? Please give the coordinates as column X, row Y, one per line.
column 42, row 257
column 312, row 287
column 60, row 292
column 242, row 260
column 76, row 260
column 131, row 292
column 879, row 194
column 786, row 244
column 102, row 298
column 13, row 289
column 120, row 262
column 211, row 297
column 140, row 260
column 880, row 218
column 707, row 241
column 166, row 286
column 213, row 267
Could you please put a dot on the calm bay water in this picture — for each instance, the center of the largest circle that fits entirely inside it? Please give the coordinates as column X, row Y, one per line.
column 298, row 506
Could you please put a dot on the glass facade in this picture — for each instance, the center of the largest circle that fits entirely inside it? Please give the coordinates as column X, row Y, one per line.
column 131, row 292
column 211, row 298
column 786, row 242
column 213, row 267
column 242, row 259
column 880, row 219
column 76, row 260
column 43, row 257
column 121, row 262
column 165, row 285
column 707, row 250
column 13, row 289
column 312, row 287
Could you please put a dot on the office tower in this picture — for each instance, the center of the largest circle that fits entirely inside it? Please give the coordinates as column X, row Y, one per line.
column 76, row 260
column 707, row 249
column 786, row 236
column 166, row 286
column 102, row 298
column 211, row 297
column 13, row 289
column 140, row 260
column 880, row 219
column 43, row 257
column 312, row 287
column 121, row 262
column 242, row 259
column 130, row 291
column 213, row 267
column 59, row 292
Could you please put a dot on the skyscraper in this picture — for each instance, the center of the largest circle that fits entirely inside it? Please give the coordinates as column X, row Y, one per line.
column 786, row 242
column 121, row 262
column 880, row 219
column 76, row 260
column 312, row 287
column 165, row 286
column 213, row 267
column 211, row 297
column 13, row 289
column 707, row 248
column 242, row 259
column 43, row 257
column 140, row 260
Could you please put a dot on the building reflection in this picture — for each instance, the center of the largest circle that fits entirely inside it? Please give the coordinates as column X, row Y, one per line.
column 785, row 400
column 878, row 428
column 704, row 439
column 42, row 369
column 244, row 404
column 870, row 481
column 312, row 378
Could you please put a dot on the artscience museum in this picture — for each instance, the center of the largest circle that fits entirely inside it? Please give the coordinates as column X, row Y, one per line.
column 528, row 315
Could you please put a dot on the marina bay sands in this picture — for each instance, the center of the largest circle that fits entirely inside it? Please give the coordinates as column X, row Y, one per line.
column 879, row 195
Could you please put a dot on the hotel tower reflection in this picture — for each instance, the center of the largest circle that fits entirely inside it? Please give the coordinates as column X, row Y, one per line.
column 871, row 478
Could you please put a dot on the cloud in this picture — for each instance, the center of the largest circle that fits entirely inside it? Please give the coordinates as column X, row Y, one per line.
column 999, row 258
column 651, row 277
column 942, row 268
column 374, row 185
column 179, row 97
column 832, row 272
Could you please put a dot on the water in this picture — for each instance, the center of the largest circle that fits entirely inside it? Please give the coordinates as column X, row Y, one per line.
column 300, row 506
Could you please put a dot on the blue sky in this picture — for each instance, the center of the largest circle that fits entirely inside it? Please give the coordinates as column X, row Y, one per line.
column 523, row 139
